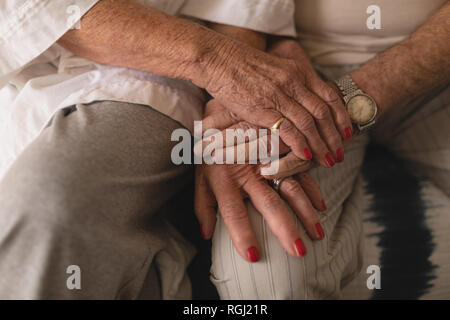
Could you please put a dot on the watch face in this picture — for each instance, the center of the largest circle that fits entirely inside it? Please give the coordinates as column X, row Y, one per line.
column 361, row 109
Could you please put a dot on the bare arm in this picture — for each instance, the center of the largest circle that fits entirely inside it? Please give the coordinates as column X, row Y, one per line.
column 128, row 34
column 258, row 87
column 412, row 68
column 255, row 39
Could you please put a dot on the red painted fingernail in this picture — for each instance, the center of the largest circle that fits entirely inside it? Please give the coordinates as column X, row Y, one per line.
column 319, row 230
column 253, row 254
column 348, row 132
column 203, row 233
column 329, row 159
column 299, row 247
column 308, row 154
column 324, row 206
column 340, row 155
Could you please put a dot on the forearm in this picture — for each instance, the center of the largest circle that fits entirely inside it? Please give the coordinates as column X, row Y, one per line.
column 255, row 39
column 412, row 68
column 127, row 34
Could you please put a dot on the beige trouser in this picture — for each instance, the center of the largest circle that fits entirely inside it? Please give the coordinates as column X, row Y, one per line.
column 92, row 191
column 418, row 132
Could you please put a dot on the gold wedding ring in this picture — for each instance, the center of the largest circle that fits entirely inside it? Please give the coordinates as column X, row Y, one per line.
column 277, row 124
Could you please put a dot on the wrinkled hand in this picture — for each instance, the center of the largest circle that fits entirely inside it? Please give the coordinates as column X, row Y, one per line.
column 263, row 87
column 226, row 187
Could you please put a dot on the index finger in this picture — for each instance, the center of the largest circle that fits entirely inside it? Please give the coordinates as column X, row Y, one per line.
column 287, row 166
column 234, row 214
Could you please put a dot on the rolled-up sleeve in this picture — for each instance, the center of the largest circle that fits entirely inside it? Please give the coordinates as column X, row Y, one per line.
column 29, row 27
column 269, row 16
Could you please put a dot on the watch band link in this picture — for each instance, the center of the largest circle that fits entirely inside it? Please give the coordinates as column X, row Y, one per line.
column 346, row 85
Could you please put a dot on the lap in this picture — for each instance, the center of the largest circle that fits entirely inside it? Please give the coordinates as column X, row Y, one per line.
column 328, row 265
column 416, row 132
column 88, row 191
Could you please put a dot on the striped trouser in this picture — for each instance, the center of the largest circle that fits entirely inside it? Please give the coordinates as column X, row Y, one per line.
column 417, row 133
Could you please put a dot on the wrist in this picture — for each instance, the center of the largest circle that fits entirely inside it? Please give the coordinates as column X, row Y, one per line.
column 208, row 53
column 371, row 87
column 254, row 39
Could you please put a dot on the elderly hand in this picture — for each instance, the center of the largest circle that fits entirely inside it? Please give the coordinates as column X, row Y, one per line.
column 226, row 186
column 261, row 88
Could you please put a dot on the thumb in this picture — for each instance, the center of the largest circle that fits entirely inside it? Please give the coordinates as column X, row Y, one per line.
column 205, row 204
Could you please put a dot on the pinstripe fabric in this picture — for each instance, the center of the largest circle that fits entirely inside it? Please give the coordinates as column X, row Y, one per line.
column 415, row 133
column 415, row 262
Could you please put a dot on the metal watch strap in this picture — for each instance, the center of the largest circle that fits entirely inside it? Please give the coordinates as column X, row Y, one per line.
column 349, row 89
column 346, row 85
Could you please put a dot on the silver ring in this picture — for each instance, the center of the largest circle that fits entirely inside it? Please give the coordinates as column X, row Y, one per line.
column 276, row 183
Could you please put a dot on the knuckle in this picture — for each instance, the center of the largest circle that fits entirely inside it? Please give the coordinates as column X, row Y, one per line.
column 294, row 163
column 304, row 177
column 319, row 110
column 232, row 211
column 287, row 127
column 272, row 99
column 245, row 126
column 307, row 124
column 269, row 199
column 231, row 115
column 334, row 99
column 290, row 72
column 285, row 76
column 291, row 186
column 328, row 93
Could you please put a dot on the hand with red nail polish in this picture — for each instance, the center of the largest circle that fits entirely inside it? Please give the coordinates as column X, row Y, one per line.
column 226, row 186
column 315, row 134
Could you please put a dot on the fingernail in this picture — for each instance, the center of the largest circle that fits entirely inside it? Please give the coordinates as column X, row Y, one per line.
column 299, row 247
column 329, row 159
column 253, row 254
column 340, row 155
column 324, row 206
column 308, row 154
column 319, row 230
column 348, row 132
column 203, row 233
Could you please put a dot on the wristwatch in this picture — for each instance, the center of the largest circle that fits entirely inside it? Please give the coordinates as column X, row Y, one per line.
column 361, row 107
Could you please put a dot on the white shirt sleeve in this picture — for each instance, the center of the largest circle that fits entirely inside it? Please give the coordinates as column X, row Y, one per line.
column 30, row 27
column 269, row 16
